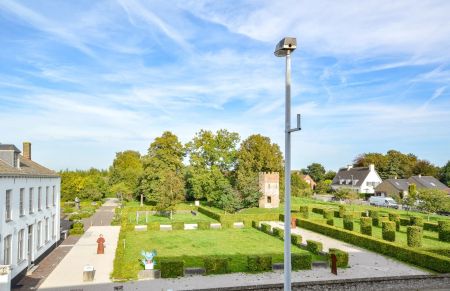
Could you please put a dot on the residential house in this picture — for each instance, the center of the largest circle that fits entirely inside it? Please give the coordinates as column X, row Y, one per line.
column 29, row 209
column 310, row 181
column 393, row 188
column 428, row 182
column 358, row 179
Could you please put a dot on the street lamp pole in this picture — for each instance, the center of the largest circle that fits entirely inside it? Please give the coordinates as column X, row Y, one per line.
column 284, row 49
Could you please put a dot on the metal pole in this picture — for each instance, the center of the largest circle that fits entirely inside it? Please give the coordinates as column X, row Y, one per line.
column 287, row 179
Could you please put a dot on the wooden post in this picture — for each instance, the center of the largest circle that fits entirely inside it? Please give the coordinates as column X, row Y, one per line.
column 146, row 216
column 333, row 264
column 142, row 200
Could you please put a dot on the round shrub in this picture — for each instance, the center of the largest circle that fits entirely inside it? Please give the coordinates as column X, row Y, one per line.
column 416, row 220
column 366, row 225
column 348, row 221
column 388, row 230
column 304, row 212
column 414, row 236
column 444, row 230
column 330, row 221
column 328, row 214
column 341, row 210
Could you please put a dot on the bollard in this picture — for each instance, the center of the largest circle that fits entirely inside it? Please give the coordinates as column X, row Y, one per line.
column 333, row 264
column 293, row 222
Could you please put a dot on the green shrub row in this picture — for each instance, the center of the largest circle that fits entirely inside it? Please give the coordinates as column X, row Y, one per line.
column 246, row 218
column 172, row 268
column 328, row 214
column 414, row 256
column 153, row 225
column 266, row 228
column 431, row 226
column 416, row 220
column 278, row 232
column 216, row 265
column 341, row 257
column 330, row 221
column 404, row 221
column 317, row 210
column 414, row 236
column 444, row 230
column 313, row 246
column 348, row 221
column 77, row 228
column 342, row 210
column 259, row 263
column 296, row 239
column 202, row 225
column 388, row 230
column 304, row 212
column 177, row 225
column 301, row 261
column 366, row 225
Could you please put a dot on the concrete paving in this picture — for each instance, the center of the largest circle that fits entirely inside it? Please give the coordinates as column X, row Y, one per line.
column 69, row 272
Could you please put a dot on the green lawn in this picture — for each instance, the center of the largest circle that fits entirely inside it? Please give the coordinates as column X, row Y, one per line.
column 193, row 245
column 184, row 217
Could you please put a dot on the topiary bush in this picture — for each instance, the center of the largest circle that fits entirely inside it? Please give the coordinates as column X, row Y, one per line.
column 177, row 225
column 395, row 218
column 341, row 211
column 153, row 225
column 301, row 261
column 444, row 230
column 330, row 221
column 374, row 215
column 388, row 230
column 296, row 239
column 414, row 236
column 328, row 214
column 382, row 219
column 341, row 257
column 259, row 263
column 348, row 221
column 216, row 265
column 255, row 224
column 314, row 246
column 202, row 225
column 366, row 225
column 416, row 220
column 430, row 226
column 278, row 232
column 266, row 228
column 172, row 268
column 304, row 212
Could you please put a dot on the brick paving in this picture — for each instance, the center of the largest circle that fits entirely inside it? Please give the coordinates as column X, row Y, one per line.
column 102, row 216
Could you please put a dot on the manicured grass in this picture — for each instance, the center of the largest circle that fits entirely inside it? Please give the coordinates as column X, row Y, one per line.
column 193, row 245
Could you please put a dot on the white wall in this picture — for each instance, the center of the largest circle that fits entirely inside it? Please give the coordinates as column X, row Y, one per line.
column 371, row 177
column 22, row 222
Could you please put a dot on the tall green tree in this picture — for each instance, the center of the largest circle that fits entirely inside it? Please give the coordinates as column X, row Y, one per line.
column 124, row 173
column 432, row 200
column 444, row 174
column 87, row 185
column 170, row 189
column 299, row 185
column 315, row 171
column 425, row 168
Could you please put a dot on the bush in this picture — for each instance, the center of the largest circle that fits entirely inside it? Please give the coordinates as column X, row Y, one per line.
column 177, row 225
column 341, row 257
column 317, row 210
column 395, row 218
column 203, row 225
column 172, row 268
column 414, row 236
column 304, row 212
column 296, row 239
column 330, row 221
column 314, row 246
column 278, row 232
column 431, row 226
column 341, row 211
column 348, row 221
column 381, row 220
column 301, row 261
column 388, row 230
column 154, row 225
column 404, row 221
column 416, row 220
column 374, row 215
column 444, row 230
column 255, row 224
column 266, row 228
column 366, row 225
column 75, row 217
column 418, row 257
column 216, row 265
column 328, row 214
column 259, row 263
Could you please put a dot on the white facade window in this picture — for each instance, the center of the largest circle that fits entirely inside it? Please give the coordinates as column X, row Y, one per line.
column 47, row 229
column 53, row 226
column 47, row 190
column 7, row 251
column 8, row 205
column 20, row 241
column 21, row 201
column 39, row 234
column 39, row 198
column 30, row 201
column 54, row 196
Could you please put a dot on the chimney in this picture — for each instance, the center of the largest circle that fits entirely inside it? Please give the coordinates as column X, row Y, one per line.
column 349, row 167
column 27, row 150
column 371, row 167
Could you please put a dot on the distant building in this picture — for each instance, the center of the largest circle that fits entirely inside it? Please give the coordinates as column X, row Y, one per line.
column 29, row 209
column 269, row 185
column 428, row 182
column 392, row 188
column 358, row 179
column 310, row 181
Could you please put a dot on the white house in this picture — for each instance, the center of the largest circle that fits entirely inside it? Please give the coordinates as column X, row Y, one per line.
column 29, row 209
column 359, row 179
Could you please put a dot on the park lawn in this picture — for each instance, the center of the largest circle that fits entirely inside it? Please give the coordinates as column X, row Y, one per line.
column 176, row 217
column 193, row 245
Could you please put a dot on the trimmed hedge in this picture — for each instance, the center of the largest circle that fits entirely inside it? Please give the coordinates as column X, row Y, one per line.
column 317, row 210
column 330, row 221
column 296, row 239
column 255, row 224
column 314, row 246
column 328, row 214
column 381, row 220
column 341, row 211
column 388, row 230
column 341, row 257
column 404, row 221
column 414, row 236
column 172, row 268
column 301, row 261
column 431, row 226
column 416, row 220
column 259, row 263
column 221, row 217
column 304, row 212
column 203, row 225
column 278, row 232
column 266, row 228
column 216, row 265
column 77, row 228
column 374, row 215
column 154, row 225
column 177, row 225
column 395, row 218
column 348, row 221
column 366, row 225
column 444, row 230
column 418, row 257
column 227, row 224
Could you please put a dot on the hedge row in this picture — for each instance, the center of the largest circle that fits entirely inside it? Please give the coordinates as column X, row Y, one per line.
column 348, row 221
column 414, row 236
column 317, row 210
column 259, row 263
column 216, row 265
column 246, row 218
column 418, row 257
column 314, row 246
column 278, row 232
column 172, row 268
column 177, row 225
column 388, row 230
column 366, row 225
column 296, row 239
column 431, row 226
column 444, row 230
column 301, row 261
column 341, row 257
column 304, row 212
column 154, row 225
column 203, row 225
column 77, row 228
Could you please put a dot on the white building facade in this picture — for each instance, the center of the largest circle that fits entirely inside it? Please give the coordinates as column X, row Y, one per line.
column 358, row 179
column 29, row 209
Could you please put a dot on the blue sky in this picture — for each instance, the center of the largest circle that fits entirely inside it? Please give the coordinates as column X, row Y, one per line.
column 83, row 80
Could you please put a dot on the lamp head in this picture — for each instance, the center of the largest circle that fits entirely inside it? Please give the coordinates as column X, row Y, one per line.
column 285, row 45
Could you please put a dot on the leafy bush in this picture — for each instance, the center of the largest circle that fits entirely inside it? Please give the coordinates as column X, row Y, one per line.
column 431, row 226
column 348, row 221
column 388, row 230
column 414, row 236
column 341, row 257
column 153, row 225
column 75, row 217
column 227, row 224
column 314, row 246
column 278, row 232
column 296, row 239
column 259, row 263
column 301, row 261
column 381, row 220
column 266, row 228
column 255, row 224
column 177, row 225
column 416, row 220
column 304, row 212
column 172, row 268
column 317, row 210
column 395, row 218
column 203, row 225
column 328, row 214
column 330, row 221
column 216, row 265
column 366, row 225
column 77, row 228
column 374, row 215
column 404, row 221
column 444, row 230
column 68, row 209
column 341, row 211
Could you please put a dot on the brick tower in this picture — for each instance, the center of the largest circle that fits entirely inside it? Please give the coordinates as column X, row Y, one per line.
column 269, row 185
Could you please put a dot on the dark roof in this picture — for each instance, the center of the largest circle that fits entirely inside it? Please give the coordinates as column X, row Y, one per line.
column 399, row 184
column 9, row 147
column 27, row 168
column 428, row 182
column 357, row 175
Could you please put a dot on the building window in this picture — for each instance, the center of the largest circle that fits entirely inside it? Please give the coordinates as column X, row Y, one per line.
column 53, row 226
column 39, row 198
column 20, row 241
column 54, row 196
column 269, row 199
column 7, row 251
column 30, row 201
column 21, row 201
column 47, row 190
column 8, row 205
column 46, row 233
column 39, row 234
